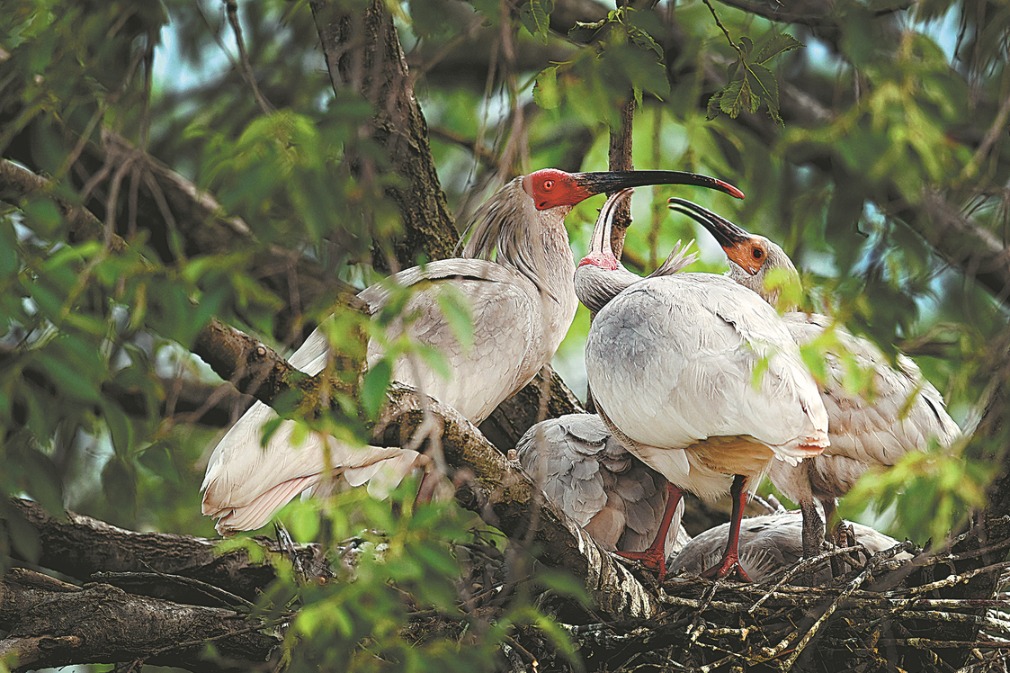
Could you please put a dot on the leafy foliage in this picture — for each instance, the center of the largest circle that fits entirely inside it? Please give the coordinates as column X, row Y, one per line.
column 751, row 81
column 94, row 353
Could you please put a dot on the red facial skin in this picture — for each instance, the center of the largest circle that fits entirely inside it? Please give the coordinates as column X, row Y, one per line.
column 550, row 188
column 603, row 260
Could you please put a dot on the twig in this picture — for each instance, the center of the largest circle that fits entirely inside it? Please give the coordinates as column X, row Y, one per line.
column 245, row 67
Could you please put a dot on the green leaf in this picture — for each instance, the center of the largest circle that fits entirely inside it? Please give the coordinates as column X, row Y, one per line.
column 545, row 91
column 374, row 385
column 69, row 379
column 733, row 98
column 24, row 537
column 536, row 18
column 759, row 371
column 776, row 44
column 8, row 249
column 813, row 358
column 43, row 216
column 768, row 85
column 120, row 427
column 457, row 313
column 119, row 482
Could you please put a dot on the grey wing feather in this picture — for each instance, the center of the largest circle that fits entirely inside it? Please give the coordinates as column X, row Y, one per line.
column 768, row 544
column 903, row 412
column 596, row 482
column 560, row 456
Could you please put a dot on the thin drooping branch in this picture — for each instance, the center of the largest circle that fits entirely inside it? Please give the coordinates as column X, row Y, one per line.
column 244, row 66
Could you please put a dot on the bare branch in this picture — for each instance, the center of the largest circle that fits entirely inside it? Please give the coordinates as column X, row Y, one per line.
column 231, row 9
column 80, row 546
column 51, row 623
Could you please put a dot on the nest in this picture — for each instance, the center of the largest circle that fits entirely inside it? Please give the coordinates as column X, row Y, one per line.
column 899, row 610
column 888, row 614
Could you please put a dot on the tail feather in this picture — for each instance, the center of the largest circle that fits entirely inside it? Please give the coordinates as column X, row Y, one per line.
column 260, row 510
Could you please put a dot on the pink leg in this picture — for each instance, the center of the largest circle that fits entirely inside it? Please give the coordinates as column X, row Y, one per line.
column 654, row 558
column 730, row 564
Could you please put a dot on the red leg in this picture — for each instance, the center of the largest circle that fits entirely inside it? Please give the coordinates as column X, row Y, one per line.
column 654, row 557
column 730, row 564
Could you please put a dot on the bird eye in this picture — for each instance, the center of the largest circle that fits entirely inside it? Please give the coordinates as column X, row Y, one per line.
column 548, row 185
column 758, row 253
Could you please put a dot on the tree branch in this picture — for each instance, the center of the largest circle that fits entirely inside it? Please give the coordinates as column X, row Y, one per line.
column 51, row 623
column 79, row 546
column 258, row 370
column 363, row 53
column 499, row 492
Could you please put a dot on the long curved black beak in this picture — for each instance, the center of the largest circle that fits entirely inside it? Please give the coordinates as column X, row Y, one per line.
column 724, row 231
column 605, row 221
column 611, row 181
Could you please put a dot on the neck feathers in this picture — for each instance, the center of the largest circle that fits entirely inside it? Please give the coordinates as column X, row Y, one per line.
column 508, row 229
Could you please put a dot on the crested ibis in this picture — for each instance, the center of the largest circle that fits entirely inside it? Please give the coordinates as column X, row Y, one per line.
column 769, row 544
column 522, row 304
column 902, row 412
column 697, row 377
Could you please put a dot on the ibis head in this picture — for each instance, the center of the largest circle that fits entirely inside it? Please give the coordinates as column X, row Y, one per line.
column 750, row 255
column 551, row 188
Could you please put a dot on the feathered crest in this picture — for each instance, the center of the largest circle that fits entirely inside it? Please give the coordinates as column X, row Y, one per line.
column 495, row 228
column 677, row 260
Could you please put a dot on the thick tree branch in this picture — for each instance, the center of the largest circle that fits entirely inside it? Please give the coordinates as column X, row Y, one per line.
column 51, row 623
column 260, row 371
column 499, row 491
column 17, row 184
column 79, row 546
column 813, row 13
column 363, row 53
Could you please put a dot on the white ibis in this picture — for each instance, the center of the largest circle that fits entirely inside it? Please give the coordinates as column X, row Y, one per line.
column 699, row 378
column 522, row 303
column 768, row 545
column 902, row 412
column 616, row 498
column 600, row 276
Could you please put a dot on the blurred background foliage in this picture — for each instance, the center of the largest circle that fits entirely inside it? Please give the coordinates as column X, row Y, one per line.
column 845, row 124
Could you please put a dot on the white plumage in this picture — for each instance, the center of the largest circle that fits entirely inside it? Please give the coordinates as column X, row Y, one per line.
column 521, row 304
column 902, row 412
column 699, row 378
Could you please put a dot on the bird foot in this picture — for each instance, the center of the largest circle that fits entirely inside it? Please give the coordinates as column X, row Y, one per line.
column 843, row 536
column 651, row 558
column 730, row 567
